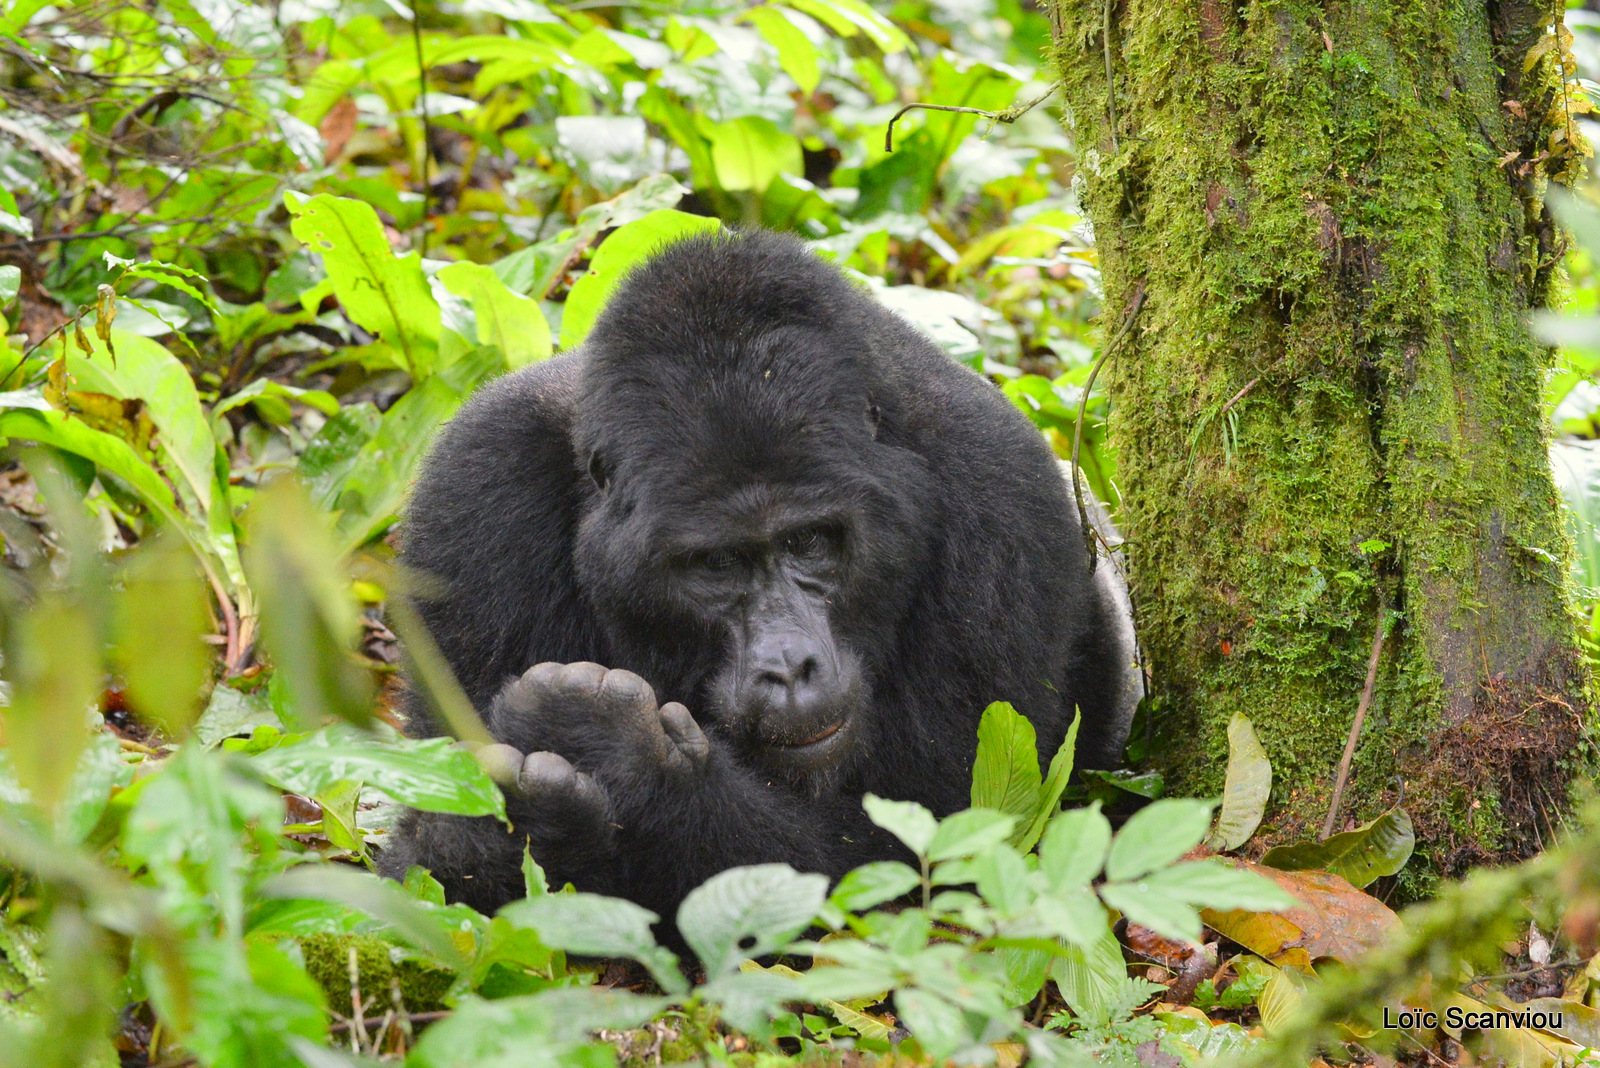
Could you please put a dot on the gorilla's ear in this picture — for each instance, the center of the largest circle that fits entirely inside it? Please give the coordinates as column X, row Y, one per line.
column 598, row 470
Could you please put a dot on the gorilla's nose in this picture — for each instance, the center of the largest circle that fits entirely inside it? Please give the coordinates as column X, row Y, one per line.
column 788, row 670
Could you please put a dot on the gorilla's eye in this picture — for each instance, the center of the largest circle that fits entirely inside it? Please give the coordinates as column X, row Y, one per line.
column 806, row 543
column 720, row 561
column 598, row 470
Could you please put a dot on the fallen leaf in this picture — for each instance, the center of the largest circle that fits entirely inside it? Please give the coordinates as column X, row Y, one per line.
column 1335, row 919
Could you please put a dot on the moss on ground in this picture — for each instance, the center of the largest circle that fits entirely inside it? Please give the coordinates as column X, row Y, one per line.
column 1330, row 403
column 378, row 965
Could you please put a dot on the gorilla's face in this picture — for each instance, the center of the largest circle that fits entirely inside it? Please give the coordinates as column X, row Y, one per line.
column 788, row 686
column 755, row 526
column 743, row 595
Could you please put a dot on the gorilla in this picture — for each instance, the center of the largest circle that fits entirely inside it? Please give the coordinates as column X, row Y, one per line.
column 808, row 548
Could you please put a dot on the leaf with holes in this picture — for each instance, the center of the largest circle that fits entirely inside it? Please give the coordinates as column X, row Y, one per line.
column 745, row 912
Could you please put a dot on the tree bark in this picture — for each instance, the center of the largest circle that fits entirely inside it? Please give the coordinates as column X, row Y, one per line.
column 1329, row 406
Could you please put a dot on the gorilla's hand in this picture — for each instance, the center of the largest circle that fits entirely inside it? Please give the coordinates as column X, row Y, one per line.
column 596, row 723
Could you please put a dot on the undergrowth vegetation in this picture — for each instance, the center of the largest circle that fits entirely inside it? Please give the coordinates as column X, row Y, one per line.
column 254, row 255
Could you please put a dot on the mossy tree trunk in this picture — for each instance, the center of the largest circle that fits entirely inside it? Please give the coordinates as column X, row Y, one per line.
column 1330, row 222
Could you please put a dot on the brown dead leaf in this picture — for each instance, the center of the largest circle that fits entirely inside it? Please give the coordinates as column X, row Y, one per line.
column 1336, row 920
column 337, row 127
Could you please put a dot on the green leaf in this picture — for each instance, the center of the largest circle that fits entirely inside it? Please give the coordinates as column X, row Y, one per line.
column 1372, row 850
column 432, row 774
column 159, row 614
column 1074, row 847
column 873, row 884
column 1157, row 835
column 265, row 387
column 939, row 1026
column 509, row 321
column 1072, row 914
column 750, row 151
column 745, row 912
column 143, row 370
column 1154, row 907
column 381, row 899
column 308, row 618
column 749, row 1000
column 338, row 803
column 1249, row 782
column 597, row 926
column 10, row 283
column 1005, row 775
column 531, row 1031
column 906, row 820
column 1213, row 884
column 385, row 294
column 796, row 54
column 1055, row 784
column 377, row 479
column 850, row 17
column 626, row 248
column 969, row 833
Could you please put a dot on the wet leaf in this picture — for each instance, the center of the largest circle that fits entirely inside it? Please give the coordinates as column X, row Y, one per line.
column 1333, row 919
column 1249, row 782
column 1380, row 847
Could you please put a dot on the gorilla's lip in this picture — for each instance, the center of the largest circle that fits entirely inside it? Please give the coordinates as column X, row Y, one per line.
column 821, row 736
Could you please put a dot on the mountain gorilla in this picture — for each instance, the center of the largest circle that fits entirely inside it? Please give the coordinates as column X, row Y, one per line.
column 759, row 497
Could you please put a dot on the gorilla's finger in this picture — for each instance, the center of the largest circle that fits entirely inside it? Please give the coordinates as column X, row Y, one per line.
column 545, row 773
column 622, row 693
column 580, row 681
column 502, row 762
column 685, row 733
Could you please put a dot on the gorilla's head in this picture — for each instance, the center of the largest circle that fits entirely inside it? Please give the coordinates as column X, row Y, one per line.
column 755, row 527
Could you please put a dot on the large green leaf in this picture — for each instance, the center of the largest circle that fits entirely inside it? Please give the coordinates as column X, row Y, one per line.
column 970, row 832
column 1249, row 783
column 1074, row 847
column 308, row 618
column 509, row 321
column 1055, row 784
column 1372, row 850
column 1005, row 775
column 432, row 774
column 378, row 477
column 143, row 370
column 749, row 152
column 1157, row 835
column 850, row 17
column 873, row 884
column 796, row 53
column 746, row 912
column 626, row 248
column 531, row 1031
column 598, row 926
column 384, row 293
column 906, row 820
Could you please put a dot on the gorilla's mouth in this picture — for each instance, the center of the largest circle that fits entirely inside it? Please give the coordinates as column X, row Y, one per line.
column 816, row 739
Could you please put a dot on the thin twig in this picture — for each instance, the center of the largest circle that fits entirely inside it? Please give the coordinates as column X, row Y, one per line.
column 1083, row 407
column 1008, row 116
column 1355, row 728
column 377, row 1021
column 1237, row 397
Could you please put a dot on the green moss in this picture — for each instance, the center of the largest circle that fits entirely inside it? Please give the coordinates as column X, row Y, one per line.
column 378, row 963
column 1332, row 350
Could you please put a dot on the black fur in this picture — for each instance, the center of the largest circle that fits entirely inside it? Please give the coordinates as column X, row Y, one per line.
column 735, row 389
